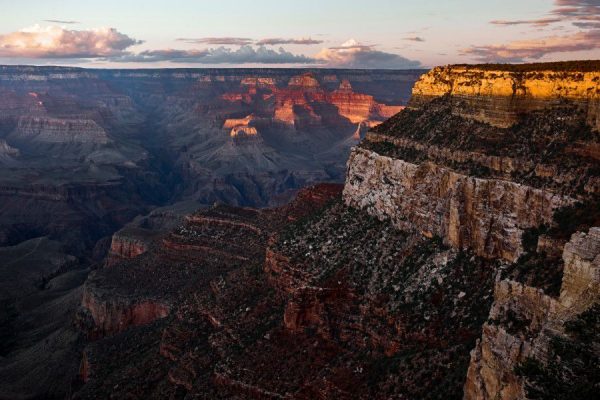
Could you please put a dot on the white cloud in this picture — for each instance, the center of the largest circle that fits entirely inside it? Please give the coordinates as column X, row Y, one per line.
column 58, row 42
column 353, row 54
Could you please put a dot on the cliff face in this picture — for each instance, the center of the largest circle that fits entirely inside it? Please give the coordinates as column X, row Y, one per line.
column 489, row 160
column 523, row 321
column 107, row 314
column 486, row 215
column 499, row 96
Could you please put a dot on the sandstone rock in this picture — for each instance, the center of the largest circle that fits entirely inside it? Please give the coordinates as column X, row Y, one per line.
column 486, row 215
column 498, row 96
column 522, row 319
column 111, row 314
column 305, row 81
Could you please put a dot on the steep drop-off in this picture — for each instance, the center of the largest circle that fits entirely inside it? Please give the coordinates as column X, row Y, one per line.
column 460, row 261
column 87, row 153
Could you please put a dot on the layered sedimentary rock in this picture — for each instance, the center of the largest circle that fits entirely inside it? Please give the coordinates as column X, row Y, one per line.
column 240, row 131
column 524, row 320
column 359, row 108
column 110, row 314
column 497, row 95
column 492, row 159
column 52, row 130
column 88, row 150
column 445, row 222
column 124, row 246
column 486, row 215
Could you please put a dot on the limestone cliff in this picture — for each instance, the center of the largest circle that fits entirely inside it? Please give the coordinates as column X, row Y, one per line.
column 486, row 215
column 498, row 94
column 524, row 320
column 501, row 161
column 53, row 130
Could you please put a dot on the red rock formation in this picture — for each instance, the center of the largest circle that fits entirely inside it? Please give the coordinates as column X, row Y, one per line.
column 125, row 246
column 304, row 81
column 111, row 314
column 259, row 82
column 359, row 107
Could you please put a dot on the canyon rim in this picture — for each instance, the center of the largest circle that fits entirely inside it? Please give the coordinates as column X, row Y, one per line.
column 315, row 200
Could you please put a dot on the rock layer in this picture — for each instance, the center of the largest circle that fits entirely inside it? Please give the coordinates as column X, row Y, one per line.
column 486, row 215
column 523, row 318
column 497, row 96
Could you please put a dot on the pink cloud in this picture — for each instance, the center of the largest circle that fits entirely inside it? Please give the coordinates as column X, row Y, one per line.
column 353, row 54
column 277, row 41
column 520, row 50
column 58, row 42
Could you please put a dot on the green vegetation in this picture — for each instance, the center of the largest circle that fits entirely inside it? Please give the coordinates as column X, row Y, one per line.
column 439, row 296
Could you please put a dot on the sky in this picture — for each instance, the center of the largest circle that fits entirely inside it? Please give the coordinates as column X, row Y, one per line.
column 395, row 34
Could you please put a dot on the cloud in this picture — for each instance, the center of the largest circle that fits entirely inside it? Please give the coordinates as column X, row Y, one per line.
column 535, row 22
column 221, row 55
column 577, row 7
column 60, row 21
column 58, row 42
column 353, row 54
column 582, row 14
column 278, row 41
column 236, row 41
column 414, row 39
column 108, row 44
column 226, row 41
column 520, row 50
column 574, row 11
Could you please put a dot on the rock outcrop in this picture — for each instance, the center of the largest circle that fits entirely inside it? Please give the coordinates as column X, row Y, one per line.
column 126, row 245
column 108, row 314
column 8, row 153
column 498, row 95
column 523, row 320
column 470, row 161
column 486, row 215
column 52, row 130
column 359, row 108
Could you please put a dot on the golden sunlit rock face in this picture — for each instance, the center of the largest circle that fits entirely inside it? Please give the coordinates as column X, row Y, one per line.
column 243, row 131
column 498, row 96
column 359, row 108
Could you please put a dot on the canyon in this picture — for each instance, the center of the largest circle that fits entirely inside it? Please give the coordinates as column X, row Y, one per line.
column 95, row 164
column 458, row 259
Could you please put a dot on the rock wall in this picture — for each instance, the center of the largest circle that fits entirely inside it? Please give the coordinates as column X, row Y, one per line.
column 53, row 130
column 499, row 96
column 103, row 314
column 522, row 318
column 126, row 245
column 486, row 215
